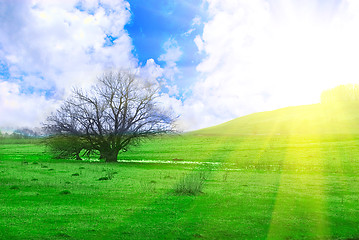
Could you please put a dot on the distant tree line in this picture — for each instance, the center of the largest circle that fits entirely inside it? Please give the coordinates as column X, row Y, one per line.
column 22, row 133
column 341, row 94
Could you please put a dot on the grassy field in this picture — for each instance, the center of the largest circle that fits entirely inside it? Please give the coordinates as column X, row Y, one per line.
column 307, row 119
column 254, row 187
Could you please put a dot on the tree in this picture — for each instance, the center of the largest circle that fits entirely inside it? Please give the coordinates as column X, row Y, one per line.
column 119, row 111
column 66, row 146
column 27, row 133
column 348, row 93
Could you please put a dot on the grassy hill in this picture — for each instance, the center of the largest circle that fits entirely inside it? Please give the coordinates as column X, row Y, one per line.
column 306, row 119
column 252, row 186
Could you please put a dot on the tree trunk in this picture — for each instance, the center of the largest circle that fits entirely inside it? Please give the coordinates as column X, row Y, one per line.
column 109, row 155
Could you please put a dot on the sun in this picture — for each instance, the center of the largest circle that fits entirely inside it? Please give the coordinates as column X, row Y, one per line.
column 298, row 57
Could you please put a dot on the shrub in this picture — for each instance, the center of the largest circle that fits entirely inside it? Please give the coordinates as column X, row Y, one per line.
column 14, row 187
column 191, row 184
column 65, row 192
column 109, row 174
column 148, row 186
column 63, row 235
column 65, row 146
column 103, row 178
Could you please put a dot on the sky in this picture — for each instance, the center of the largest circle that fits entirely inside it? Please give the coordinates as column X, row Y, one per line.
column 215, row 59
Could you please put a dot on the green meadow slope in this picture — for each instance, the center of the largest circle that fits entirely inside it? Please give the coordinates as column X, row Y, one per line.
column 306, row 119
column 257, row 184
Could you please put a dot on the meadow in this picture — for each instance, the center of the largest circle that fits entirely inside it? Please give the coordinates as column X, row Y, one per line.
column 252, row 187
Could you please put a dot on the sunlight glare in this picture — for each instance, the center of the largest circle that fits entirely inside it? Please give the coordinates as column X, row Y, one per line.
column 300, row 55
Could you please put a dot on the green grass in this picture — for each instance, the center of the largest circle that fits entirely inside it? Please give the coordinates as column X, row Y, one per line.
column 306, row 119
column 255, row 152
column 276, row 187
column 292, row 173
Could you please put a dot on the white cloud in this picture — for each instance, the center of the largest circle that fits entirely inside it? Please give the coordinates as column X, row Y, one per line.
column 151, row 70
column 262, row 55
column 172, row 54
column 189, row 32
column 175, row 107
column 196, row 21
column 24, row 110
column 53, row 45
column 199, row 43
column 259, row 55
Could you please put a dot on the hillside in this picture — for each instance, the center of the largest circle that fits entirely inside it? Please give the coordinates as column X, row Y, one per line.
column 306, row 119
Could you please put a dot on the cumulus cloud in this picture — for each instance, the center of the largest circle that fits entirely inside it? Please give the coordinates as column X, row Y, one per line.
column 258, row 55
column 262, row 55
column 48, row 47
column 151, row 70
column 172, row 54
column 171, row 72
column 14, row 106
column 51, row 46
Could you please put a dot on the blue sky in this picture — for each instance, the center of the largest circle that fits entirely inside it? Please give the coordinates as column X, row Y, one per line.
column 153, row 23
column 151, row 26
column 216, row 59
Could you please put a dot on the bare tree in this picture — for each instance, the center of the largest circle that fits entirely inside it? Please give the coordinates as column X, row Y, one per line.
column 117, row 112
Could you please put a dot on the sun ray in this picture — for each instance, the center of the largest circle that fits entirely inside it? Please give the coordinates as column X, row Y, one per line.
column 303, row 182
column 302, row 186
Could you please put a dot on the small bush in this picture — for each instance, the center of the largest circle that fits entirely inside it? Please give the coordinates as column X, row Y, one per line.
column 65, row 192
column 103, row 178
column 191, row 184
column 109, row 174
column 34, row 179
column 148, row 186
column 168, row 177
column 14, row 187
column 63, row 235
column 197, row 235
column 75, row 175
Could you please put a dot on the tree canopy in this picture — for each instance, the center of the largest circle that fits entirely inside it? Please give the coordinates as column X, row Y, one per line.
column 340, row 94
